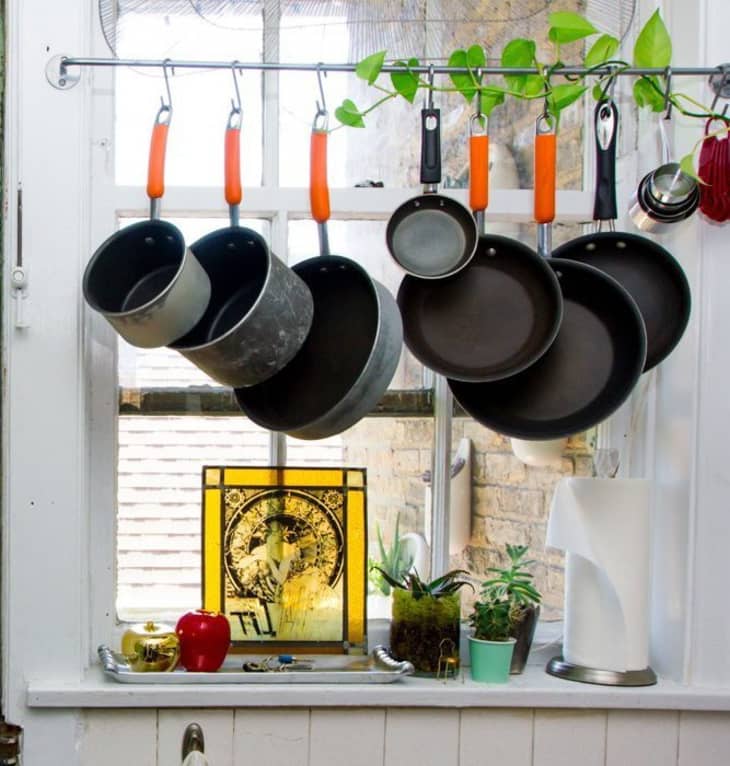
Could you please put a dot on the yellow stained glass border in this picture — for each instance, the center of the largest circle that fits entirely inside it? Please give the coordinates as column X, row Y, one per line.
column 352, row 483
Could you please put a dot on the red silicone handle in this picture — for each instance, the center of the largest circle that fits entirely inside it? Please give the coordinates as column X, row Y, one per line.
column 156, row 168
column 479, row 172
column 319, row 194
column 232, row 162
column 545, row 156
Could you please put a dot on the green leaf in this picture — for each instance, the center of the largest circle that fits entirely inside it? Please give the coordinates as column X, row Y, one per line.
column 369, row 68
column 475, row 57
column 653, row 47
column 406, row 83
column 687, row 165
column 567, row 27
column 519, row 53
column 597, row 91
column 491, row 98
column 348, row 114
column 602, row 50
column 647, row 95
column 564, row 95
column 464, row 82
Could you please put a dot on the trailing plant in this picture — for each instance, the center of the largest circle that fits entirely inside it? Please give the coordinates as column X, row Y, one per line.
column 504, row 599
column 395, row 560
column 448, row 583
column 652, row 49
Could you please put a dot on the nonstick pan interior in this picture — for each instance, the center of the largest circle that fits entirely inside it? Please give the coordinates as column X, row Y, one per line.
column 652, row 276
column 488, row 321
column 586, row 374
column 344, row 330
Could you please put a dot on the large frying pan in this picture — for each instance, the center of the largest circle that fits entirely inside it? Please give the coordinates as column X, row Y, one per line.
column 596, row 358
column 353, row 347
column 497, row 315
column 651, row 275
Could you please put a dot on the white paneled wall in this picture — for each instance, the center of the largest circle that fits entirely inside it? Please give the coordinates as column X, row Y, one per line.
column 410, row 737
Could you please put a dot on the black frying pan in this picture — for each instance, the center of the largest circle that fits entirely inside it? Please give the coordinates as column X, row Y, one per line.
column 431, row 236
column 493, row 318
column 652, row 276
column 352, row 349
column 595, row 360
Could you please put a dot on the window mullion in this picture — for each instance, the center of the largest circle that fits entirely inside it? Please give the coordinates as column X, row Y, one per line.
column 270, row 112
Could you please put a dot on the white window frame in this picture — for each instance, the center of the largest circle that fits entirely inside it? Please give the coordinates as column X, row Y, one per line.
column 60, row 397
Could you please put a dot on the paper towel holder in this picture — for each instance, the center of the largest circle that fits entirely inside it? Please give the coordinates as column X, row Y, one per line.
column 561, row 669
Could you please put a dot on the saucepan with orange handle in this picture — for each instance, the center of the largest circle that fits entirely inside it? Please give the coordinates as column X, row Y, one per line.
column 143, row 279
column 260, row 311
column 598, row 353
column 353, row 348
column 497, row 315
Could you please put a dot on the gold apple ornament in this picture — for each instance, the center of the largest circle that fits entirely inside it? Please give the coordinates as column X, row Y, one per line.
column 151, row 647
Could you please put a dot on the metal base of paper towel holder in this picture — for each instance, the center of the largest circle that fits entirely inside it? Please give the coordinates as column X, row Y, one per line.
column 562, row 669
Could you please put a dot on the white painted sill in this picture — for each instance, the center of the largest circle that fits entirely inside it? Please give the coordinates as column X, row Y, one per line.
column 532, row 689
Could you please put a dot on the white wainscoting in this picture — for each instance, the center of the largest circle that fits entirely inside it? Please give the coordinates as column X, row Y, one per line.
column 409, row 737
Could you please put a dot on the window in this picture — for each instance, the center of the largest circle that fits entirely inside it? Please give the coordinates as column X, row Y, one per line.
column 173, row 419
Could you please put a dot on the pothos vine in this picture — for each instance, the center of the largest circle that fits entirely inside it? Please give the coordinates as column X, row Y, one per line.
column 652, row 50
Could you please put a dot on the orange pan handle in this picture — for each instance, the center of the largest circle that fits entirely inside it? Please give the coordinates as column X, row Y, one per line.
column 319, row 194
column 156, row 167
column 232, row 166
column 545, row 156
column 479, row 172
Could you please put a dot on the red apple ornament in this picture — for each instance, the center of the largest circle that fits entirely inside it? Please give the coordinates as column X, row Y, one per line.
column 204, row 640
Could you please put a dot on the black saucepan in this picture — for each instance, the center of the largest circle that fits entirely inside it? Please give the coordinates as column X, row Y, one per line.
column 259, row 311
column 497, row 315
column 651, row 275
column 143, row 279
column 352, row 350
column 595, row 360
column 431, row 236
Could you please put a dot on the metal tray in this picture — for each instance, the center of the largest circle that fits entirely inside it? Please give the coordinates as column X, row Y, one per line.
column 378, row 668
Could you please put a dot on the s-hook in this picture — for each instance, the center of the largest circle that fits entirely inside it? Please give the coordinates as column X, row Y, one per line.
column 234, row 118
column 164, row 115
column 321, row 118
column 668, row 93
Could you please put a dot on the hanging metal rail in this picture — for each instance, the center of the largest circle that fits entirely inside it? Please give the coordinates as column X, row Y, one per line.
column 59, row 74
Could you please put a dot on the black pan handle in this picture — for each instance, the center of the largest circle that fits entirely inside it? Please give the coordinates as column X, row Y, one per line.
column 606, row 130
column 430, row 146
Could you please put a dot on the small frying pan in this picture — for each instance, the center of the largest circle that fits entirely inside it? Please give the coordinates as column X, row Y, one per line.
column 596, row 358
column 431, row 236
column 353, row 347
column 495, row 317
column 651, row 275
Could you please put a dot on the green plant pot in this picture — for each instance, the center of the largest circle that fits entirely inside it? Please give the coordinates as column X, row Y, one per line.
column 420, row 625
column 490, row 660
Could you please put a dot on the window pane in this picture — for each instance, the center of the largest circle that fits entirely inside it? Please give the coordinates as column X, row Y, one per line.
column 387, row 149
column 159, row 490
column 201, row 99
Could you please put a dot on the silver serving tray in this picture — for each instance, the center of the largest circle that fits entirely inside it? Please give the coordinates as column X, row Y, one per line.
column 378, row 668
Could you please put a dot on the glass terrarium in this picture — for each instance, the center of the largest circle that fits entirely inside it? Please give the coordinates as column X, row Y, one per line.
column 425, row 628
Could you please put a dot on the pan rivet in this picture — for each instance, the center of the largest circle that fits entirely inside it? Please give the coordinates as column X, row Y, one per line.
column 416, row 204
column 621, row 245
column 591, row 246
column 491, row 252
column 149, row 241
column 559, row 274
column 230, row 246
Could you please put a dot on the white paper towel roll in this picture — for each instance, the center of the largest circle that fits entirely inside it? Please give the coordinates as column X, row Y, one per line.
column 603, row 526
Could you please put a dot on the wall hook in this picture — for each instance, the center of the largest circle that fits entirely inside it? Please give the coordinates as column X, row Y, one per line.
column 193, row 740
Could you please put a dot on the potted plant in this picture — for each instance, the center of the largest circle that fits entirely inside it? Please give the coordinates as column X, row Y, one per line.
column 426, row 618
column 504, row 618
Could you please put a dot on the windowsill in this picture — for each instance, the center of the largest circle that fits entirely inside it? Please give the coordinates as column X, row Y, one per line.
column 533, row 689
